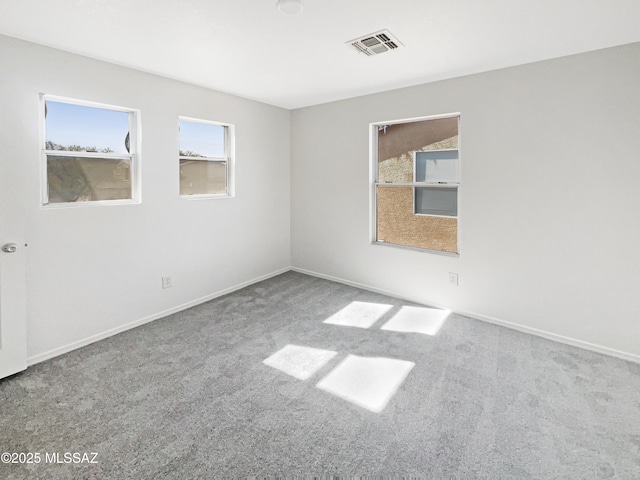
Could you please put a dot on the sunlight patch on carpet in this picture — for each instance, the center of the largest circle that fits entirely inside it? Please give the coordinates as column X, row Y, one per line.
column 299, row 362
column 367, row 382
column 359, row 314
column 427, row 321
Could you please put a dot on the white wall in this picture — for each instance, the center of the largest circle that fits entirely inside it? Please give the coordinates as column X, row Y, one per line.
column 92, row 270
column 549, row 228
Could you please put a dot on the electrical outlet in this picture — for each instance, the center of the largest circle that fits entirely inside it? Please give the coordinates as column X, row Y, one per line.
column 453, row 279
column 167, row 281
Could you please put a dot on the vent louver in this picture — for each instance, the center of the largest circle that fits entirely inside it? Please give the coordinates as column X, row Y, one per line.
column 375, row 43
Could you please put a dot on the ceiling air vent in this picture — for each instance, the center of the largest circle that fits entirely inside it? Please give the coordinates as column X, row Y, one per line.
column 375, row 43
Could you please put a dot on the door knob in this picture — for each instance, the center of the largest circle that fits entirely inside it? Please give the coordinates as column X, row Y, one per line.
column 9, row 247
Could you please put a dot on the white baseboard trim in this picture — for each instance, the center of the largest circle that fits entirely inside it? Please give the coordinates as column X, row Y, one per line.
column 100, row 336
column 503, row 323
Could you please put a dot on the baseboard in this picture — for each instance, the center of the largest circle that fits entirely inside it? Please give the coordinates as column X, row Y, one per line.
column 100, row 336
column 484, row 318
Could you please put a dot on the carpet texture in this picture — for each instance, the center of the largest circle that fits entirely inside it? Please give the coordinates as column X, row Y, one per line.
column 255, row 383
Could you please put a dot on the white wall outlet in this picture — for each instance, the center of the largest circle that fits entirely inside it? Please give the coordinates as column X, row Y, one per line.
column 167, row 281
column 453, row 279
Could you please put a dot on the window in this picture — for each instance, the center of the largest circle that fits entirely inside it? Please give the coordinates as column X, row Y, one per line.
column 416, row 169
column 206, row 166
column 90, row 153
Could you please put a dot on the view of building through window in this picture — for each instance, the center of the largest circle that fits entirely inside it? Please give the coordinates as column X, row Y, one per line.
column 417, row 179
column 88, row 153
column 204, row 158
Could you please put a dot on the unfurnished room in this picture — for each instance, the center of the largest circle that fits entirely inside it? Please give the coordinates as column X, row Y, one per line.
column 319, row 239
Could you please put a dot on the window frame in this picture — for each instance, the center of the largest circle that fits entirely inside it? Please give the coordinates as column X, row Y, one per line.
column 133, row 156
column 374, row 183
column 228, row 159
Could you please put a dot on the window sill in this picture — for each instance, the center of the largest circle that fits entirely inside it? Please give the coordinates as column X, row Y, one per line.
column 87, row 204
column 206, row 196
column 417, row 249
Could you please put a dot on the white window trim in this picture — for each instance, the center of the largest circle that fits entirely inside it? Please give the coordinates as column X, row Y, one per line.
column 229, row 159
column 373, row 182
column 133, row 156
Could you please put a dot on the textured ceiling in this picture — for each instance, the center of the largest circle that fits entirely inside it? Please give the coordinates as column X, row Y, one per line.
column 249, row 48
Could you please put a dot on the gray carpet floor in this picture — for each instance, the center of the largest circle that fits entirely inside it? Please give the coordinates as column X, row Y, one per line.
column 189, row 396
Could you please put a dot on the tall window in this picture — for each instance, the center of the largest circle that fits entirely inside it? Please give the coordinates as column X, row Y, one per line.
column 90, row 153
column 416, row 183
column 206, row 159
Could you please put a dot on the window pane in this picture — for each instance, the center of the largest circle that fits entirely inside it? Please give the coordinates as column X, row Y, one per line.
column 77, row 179
column 397, row 169
column 397, row 224
column 437, row 166
column 85, row 129
column 199, row 177
column 201, row 140
column 397, row 144
column 437, row 201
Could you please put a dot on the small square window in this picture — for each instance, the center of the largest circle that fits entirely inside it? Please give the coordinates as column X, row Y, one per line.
column 90, row 153
column 437, row 166
column 436, row 201
column 205, row 158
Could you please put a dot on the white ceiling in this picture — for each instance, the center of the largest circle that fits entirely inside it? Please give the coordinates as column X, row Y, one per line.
column 249, row 48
